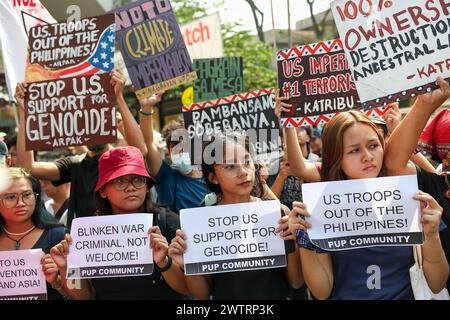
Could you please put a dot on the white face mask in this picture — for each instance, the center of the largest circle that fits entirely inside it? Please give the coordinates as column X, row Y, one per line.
column 181, row 162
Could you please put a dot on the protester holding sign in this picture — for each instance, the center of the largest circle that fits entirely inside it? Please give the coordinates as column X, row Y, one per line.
column 179, row 184
column 233, row 179
column 309, row 171
column 122, row 188
column 354, row 149
column 25, row 224
column 82, row 174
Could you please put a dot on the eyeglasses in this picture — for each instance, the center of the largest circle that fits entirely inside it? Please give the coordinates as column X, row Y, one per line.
column 233, row 169
column 12, row 199
column 122, row 183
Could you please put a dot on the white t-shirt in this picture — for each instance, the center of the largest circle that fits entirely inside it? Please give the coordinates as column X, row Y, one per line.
column 48, row 204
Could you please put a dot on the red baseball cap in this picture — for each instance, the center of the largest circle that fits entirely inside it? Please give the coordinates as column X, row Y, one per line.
column 119, row 162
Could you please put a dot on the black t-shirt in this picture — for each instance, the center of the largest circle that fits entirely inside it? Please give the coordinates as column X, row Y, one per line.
column 435, row 185
column 46, row 241
column 83, row 177
column 266, row 284
column 151, row 287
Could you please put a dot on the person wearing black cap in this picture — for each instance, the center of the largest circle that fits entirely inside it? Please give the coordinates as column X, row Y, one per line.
column 123, row 187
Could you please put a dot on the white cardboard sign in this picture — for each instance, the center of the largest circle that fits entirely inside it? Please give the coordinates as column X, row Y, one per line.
column 21, row 276
column 395, row 49
column 233, row 237
column 360, row 213
column 203, row 37
column 110, row 246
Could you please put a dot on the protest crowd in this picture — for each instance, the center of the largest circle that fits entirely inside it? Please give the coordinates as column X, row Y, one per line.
column 322, row 188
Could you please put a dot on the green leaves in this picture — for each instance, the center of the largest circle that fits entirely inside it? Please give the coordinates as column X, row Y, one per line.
column 258, row 56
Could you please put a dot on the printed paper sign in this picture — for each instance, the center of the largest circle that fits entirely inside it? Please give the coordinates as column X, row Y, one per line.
column 21, row 276
column 110, row 246
column 232, row 238
column 203, row 37
column 217, row 78
column 395, row 49
column 70, row 112
column 317, row 78
column 152, row 46
column 250, row 112
column 362, row 213
column 65, row 50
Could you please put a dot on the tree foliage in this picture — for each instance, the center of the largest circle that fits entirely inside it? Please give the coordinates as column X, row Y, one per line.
column 257, row 55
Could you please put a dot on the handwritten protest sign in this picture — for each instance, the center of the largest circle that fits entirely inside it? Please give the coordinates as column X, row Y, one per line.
column 64, row 50
column 110, row 246
column 395, row 49
column 318, row 80
column 217, row 78
column 152, row 46
column 232, row 238
column 70, row 112
column 363, row 213
column 250, row 112
column 21, row 276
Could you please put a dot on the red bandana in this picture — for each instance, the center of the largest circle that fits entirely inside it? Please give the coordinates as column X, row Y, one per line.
column 435, row 139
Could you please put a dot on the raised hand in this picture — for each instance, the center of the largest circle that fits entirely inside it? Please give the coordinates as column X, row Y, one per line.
column 283, row 229
column 49, row 268
column 281, row 106
column 437, row 97
column 147, row 104
column 178, row 247
column 431, row 214
column 296, row 219
column 159, row 245
column 285, row 169
column 19, row 95
column 118, row 80
column 60, row 251
column 393, row 116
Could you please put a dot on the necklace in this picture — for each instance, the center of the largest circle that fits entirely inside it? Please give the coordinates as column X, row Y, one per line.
column 17, row 241
column 18, row 234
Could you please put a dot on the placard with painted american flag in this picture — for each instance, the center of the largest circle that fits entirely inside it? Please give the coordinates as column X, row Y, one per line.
column 65, row 50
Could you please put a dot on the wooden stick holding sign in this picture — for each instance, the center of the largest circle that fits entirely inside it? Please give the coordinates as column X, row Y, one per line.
column 362, row 213
column 230, row 238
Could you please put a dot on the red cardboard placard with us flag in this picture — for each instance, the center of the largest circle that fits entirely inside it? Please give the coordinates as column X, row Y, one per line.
column 71, row 49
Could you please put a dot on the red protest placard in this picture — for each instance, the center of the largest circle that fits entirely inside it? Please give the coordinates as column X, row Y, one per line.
column 70, row 112
column 317, row 80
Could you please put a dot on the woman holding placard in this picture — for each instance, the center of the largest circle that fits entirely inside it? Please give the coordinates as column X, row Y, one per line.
column 354, row 149
column 25, row 224
column 233, row 180
column 123, row 188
